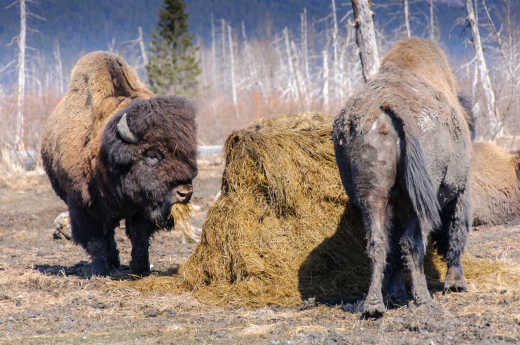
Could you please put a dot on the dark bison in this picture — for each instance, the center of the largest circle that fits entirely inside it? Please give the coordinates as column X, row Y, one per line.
column 112, row 151
column 403, row 150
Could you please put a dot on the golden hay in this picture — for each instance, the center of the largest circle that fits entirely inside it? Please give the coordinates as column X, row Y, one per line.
column 283, row 229
column 181, row 213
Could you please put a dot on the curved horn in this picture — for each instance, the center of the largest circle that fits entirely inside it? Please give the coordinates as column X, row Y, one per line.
column 125, row 132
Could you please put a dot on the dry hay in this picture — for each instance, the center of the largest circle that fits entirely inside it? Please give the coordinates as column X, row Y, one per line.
column 283, row 229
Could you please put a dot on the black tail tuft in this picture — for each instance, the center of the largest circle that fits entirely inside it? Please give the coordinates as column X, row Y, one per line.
column 417, row 179
column 419, row 183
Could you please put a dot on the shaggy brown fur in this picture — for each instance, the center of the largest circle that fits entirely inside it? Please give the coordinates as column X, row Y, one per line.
column 100, row 85
column 403, row 150
column 113, row 151
column 495, row 185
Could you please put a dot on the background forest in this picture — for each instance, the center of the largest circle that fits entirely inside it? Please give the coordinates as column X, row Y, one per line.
column 258, row 58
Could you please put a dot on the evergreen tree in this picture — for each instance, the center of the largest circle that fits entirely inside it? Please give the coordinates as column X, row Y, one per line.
column 173, row 67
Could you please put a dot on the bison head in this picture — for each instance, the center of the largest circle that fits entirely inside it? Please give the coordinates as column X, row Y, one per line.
column 149, row 153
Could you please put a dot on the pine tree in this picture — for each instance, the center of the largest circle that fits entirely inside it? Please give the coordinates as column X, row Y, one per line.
column 173, row 67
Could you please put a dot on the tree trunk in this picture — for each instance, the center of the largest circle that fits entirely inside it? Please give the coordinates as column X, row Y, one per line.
column 406, row 11
column 213, row 54
column 292, row 74
column 432, row 21
column 489, row 96
column 18, row 141
column 305, row 42
column 335, row 65
column 232, row 67
column 366, row 37
column 141, row 46
column 325, row 80
column 59, row 67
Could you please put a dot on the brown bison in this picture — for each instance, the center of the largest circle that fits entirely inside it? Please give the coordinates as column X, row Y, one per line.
column 112, row 151
column 403, row 150
column 495, row 185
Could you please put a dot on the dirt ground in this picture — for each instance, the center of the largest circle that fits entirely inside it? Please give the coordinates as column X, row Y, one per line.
column 46, row 296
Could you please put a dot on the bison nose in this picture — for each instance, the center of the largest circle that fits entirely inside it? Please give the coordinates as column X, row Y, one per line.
column 182, row 193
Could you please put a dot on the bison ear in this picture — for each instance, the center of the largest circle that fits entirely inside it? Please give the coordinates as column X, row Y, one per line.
column 124, row 131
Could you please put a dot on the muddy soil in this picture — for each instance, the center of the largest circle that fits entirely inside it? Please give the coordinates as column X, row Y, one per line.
column 46, row 296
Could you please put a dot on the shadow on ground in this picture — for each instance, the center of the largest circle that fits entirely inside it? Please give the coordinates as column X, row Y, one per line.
column 83, row 270
column 338, row 270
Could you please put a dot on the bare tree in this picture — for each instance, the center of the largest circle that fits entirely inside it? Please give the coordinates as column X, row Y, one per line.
column 305, row 42
column 140, row 41
column 59, row 67
column 232, row 62
column 432, row 21
column 366, row 37
column 406, row 13
column 18, row 140
column 488, row 93
column 325, row 80
column 497, row 37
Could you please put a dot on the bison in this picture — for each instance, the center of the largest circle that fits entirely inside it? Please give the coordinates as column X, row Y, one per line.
column 403, row 149
column 113, row 151
column 495, row 185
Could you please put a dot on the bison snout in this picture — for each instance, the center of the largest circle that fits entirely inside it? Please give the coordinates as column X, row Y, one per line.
column 182, row 193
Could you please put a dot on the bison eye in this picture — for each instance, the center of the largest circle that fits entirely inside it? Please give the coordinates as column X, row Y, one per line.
column 152, row 157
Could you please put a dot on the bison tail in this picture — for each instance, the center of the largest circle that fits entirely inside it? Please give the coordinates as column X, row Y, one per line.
column 417, row 179
column 419, row 183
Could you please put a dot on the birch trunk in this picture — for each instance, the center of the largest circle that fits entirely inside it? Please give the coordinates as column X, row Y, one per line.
column 232, row 68
column 432, row 21
column 292, row 76
column 305, row 43
column 59, row 67
column 366, row 37
column 213, row 54
column 335, row 66
column 141, row 46
column 489, row 96
column 406, row 11
column 325, row 57
column 18, row 141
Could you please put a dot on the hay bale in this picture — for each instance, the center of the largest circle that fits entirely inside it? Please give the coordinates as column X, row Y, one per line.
column 495, row 188
column 283, row 229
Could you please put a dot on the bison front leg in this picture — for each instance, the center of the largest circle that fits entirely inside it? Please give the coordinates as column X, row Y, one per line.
column 139, row 230
column 377, row 247
column 451, row 241
column 413, row 248
column 91, row 235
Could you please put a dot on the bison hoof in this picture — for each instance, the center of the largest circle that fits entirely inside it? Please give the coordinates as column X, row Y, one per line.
column 455, row 279
column 139, row 269
column 373, row 309
column 100, row 267
column 114, row 260
column 455, row 285
column 396, row 300
column 425, row 299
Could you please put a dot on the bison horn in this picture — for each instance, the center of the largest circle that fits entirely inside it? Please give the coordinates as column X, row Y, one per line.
column 125, row 132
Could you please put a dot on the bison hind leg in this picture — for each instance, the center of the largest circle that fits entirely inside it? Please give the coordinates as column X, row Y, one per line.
column 451, row 240
column 395, row 288
column 413, row 248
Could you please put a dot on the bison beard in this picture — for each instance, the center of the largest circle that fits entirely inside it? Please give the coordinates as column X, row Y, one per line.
column 135, row 159
column 403, row 149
